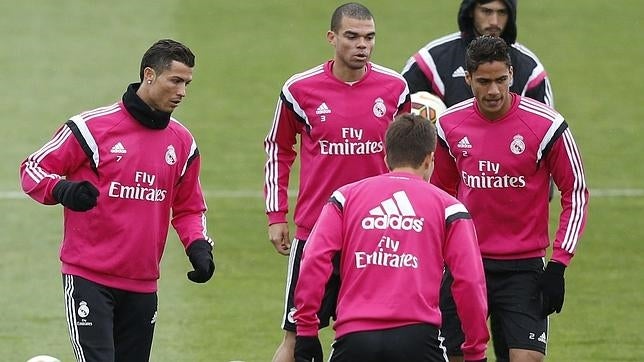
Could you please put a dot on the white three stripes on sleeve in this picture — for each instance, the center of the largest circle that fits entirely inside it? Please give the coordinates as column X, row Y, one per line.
column 272, row 165
column 32, row 168
column 579, row 200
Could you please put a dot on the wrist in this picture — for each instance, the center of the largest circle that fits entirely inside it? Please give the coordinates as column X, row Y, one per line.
column 59, row 189
column 556, row 268
column 276, row 217
column 199, row 245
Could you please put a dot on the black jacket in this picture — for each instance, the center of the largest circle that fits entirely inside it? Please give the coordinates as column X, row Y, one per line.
column 439, row 66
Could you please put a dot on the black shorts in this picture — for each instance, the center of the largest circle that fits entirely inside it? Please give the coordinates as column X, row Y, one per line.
column 412, row 343
column 330, row 299
column 107, row 324
column 514, row 306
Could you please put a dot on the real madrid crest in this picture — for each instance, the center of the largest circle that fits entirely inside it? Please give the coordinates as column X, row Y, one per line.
column 170, row 156
column 83, row 309
column 379, row 108
column 517, row 146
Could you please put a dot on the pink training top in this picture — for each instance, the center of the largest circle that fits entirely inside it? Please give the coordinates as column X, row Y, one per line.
column 341, row 127
column 394, row 233
column 144, row 176
column 500, row 170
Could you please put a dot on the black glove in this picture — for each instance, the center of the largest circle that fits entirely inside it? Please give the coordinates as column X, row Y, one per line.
column 476, row 360
column 77, row 196
column 308, row 349
column 200, row 255
column 552, row 288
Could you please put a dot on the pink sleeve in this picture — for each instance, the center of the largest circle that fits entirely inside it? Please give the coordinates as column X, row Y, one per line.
column 445, row 175
column 405, row 107
column 279, row 146
column 189, row 206
column 429, row 74
column 42, row 170
column 325, row 240
column 464, row 261
column 567, row 172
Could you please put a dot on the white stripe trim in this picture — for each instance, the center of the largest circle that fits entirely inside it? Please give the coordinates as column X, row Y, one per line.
column 193, row 149
column 454, row 209
column 32, row 167
column 70, row 311
column 425, row 55
column 271, row 180
column 289, row 278
column 289, row 96
column 339, row 197
column 87, row 136
column 578, row 197
column 100, row 111
column 392, row 73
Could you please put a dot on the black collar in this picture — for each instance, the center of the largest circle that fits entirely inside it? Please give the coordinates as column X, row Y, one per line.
column 142, row 112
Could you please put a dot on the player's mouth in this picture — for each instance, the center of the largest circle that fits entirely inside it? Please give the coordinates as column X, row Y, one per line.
column 493, row 31
column 361, row 57
column 493, row 103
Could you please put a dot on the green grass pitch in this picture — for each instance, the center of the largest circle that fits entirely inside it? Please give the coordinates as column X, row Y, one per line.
column 62, row 57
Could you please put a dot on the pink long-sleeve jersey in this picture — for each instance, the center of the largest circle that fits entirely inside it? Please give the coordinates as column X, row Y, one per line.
column 145, row 178
column 394, row 233
column 341, row 128
column 500, row 171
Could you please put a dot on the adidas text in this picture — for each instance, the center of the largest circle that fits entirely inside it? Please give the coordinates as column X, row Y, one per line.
column 395, row 222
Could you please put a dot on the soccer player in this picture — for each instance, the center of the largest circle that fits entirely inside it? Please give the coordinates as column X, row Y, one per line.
column 122, row 173
column 496, row 152
column 439, row 66
column 394, row 233
column 340, row 110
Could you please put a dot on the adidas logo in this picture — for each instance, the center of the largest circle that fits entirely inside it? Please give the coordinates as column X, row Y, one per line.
column 394, row 213
column 542, row 337
column 118, row 148
column 322, row 109
column 459, row 72
column 464, row 143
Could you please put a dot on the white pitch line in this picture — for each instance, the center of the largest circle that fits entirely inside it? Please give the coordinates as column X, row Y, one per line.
column 254, row 194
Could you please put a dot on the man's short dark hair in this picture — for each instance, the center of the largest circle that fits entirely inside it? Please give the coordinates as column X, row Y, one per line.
column 408, row 141
column 486, row 49
column 161, row 54
column 350, row 10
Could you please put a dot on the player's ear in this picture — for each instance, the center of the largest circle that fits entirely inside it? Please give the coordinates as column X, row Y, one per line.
column 468, row 78
column 428, row 164
column 148, row 75
column 330, row 37
column 386, row 163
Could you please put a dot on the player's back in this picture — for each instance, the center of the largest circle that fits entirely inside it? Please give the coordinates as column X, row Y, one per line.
column 394, row 227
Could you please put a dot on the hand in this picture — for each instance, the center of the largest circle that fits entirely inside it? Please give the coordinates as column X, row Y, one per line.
column 308, row 349
column 200, row 256
column 553, row 288
column 76, row 196
column 278, row 235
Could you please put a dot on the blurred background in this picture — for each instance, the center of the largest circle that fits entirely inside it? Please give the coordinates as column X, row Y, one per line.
column 63, row 57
